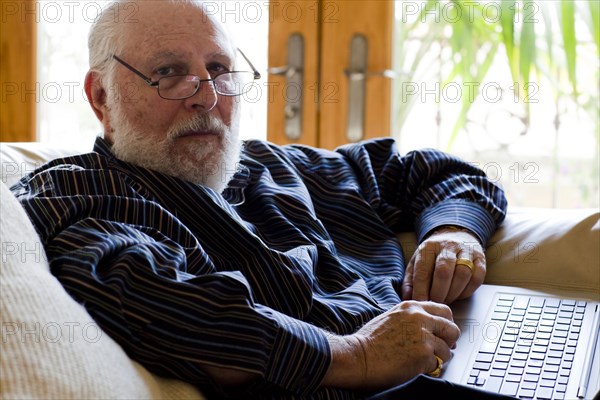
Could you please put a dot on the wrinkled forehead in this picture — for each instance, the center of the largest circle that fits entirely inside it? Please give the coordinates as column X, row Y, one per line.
column 159, row 25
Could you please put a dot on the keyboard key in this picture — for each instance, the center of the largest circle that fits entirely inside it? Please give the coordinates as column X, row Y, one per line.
column 520, row 356
column 558, row 340
column 507, row 345
column 559, row 334
column 504, row 302
column 528, row 384
column 537, row 356
column 547, row 383
column 493, row 384
column 552, row 303
column 564, row 372
column 509, row 337
column 544, row 393
column 551, row 368
column 550, row 376
column 474, row 373
column 537, row 302
column 560, row 388
column 581, row 303
column 504, row 351
column 565, row 314
column 571, row 343
column 568, row 302
column 518, row 363
column 471, row 380
column 516, row 370
column 483, row 366
column 500, row 365
column 538, row 349
column 484, row 357
column 533, row 371
column 559, row 396
column 510, row 388
column 567, row 364
column 502, row 358
column 520, row 303
column 502, row 309
column 562, row 380
column 498, row 372
column 499, row 316
column 570, row 350
column 513, row 378
column 531, row 378
column 535, row 363
column 553, row 361
column 554, row 354
column 568, row 357
column 526, row 393
column 556, row 347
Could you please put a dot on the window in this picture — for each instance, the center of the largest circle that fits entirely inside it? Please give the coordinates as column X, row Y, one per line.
column 541, row 145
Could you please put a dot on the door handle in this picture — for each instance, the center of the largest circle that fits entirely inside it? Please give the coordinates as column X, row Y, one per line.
column 357, row 74
column 294, row 74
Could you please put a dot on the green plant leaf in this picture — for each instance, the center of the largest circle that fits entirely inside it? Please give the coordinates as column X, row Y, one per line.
column 507, row 24
column 595, row 16
column 567, row 13
column 467, row 102
column 527, row 44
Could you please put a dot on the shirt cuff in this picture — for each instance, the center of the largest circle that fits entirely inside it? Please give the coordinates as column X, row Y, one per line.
column 463, row 213
column 300, row 356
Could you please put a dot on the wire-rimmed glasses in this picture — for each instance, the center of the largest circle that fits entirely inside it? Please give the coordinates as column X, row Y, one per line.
column 178, row 87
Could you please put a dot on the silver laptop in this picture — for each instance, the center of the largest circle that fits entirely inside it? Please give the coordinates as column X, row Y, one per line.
column 527, row 344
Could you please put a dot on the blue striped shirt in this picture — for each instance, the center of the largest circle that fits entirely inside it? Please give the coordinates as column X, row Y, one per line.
column 302, row 244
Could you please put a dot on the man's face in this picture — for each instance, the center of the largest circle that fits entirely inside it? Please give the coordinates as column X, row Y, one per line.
column 194, row 138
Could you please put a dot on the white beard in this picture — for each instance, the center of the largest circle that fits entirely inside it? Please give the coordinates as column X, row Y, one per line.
column 210, row 163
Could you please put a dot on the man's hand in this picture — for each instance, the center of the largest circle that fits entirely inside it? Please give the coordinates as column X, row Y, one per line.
column 433, row 274
column 393, row 348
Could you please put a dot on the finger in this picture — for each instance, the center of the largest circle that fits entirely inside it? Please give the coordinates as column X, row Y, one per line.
column 441, row 349
column 445, row 330
column 442, row 276
column 438, row 310
column 477, row 279
column 461, row 278
column 422, row 273
column 407, row 282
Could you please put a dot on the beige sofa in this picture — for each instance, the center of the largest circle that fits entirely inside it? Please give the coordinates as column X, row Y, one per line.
column 52, row 349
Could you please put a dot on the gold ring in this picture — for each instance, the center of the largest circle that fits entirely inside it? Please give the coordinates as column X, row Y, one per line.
column 466, row 262
column 438, row 370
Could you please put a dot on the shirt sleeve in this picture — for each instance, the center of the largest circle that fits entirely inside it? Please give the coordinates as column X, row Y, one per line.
column 419, row 191
column 161, row 299
column 427, row 188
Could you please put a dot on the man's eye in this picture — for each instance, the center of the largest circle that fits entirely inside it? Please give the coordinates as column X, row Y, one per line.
column 216, row 69
column 166, row 71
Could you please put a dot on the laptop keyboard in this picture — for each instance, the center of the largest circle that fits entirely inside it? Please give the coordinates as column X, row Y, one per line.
column 528, row 347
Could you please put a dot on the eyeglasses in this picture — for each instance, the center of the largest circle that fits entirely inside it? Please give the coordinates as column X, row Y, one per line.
column 178, row 87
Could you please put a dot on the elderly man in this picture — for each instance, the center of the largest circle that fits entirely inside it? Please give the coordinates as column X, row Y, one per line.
column 258, row 272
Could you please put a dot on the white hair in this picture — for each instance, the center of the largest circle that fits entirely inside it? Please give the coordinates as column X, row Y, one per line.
column 105, row 38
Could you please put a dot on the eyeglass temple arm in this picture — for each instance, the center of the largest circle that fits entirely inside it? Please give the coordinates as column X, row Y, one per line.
column 254, row 70
column 135, row 71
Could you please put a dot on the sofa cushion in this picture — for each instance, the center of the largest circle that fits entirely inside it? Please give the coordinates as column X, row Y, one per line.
column 51, row 348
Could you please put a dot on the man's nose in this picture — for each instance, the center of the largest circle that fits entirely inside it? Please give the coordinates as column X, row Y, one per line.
column 205, row 97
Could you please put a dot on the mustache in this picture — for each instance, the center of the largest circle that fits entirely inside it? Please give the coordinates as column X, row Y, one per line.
column 199, row 123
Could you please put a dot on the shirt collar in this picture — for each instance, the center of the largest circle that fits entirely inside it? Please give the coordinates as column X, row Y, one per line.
column 233, row 193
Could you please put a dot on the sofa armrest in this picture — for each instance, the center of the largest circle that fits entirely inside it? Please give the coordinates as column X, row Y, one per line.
column 542, row 249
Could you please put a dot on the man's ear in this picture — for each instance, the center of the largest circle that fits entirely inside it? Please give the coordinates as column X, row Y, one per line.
column 96, row 95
